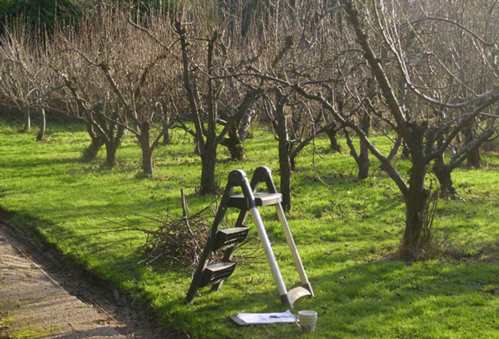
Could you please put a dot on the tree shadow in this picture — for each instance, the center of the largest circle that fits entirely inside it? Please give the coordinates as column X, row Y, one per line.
column 19, row 163
column 350, row 299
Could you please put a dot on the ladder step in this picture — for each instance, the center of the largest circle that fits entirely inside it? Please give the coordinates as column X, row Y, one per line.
column 214, row 273
column 296, row 293
column 230, row 237
column 261, row 199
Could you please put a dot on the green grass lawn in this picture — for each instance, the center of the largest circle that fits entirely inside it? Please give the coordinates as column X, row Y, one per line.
column 345, row 230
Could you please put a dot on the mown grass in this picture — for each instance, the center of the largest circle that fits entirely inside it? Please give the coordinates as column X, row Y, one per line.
column 345, row 230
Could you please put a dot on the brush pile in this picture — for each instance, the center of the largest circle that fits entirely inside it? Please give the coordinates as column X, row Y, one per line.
column 178, row 240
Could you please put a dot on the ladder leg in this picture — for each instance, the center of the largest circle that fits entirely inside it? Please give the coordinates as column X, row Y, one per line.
column 241, row 218
column 276, row 273
column 197, row 274
column 292, row 246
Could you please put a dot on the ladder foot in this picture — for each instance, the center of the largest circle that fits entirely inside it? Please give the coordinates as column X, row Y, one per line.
column 296, row 293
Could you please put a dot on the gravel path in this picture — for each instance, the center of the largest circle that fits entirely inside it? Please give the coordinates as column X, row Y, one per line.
column 35, row 305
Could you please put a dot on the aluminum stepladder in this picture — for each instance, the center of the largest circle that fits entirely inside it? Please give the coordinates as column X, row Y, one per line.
column 227, row 240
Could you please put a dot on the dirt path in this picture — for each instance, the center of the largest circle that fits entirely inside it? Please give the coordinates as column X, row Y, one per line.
column 34, row 303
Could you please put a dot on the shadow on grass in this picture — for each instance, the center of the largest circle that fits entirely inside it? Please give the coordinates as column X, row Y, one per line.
column 348, row 299
column 18, row 163
column 387, row 290
column 363, row 300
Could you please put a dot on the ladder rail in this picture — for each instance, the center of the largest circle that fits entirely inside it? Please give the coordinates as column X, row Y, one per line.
column 203, row 260
column 274, row 266
column 294, row 249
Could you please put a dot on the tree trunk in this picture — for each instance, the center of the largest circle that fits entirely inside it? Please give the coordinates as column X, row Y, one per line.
column 473, row 160
column 245, row 125
column 90, row 153
column 363, row 166
column 333, row 139
column 363, row 160
column 444, row 176
column 234, row 145
column 27, row 121
column 147, row 151
column 285, row 174
column 415, row 204
column 43, row 126
column 166, row 136
column 111, row 149
column 208, row 165
column 405, row 151
column 147, row 163
column 285, row 170
column 292, row 161
column 416, row 199
column 166, row 130
column 197, row 146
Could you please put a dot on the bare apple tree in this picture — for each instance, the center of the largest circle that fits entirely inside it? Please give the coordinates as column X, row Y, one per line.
column 25, row 80
column 425, row 130
column 120, row 81
column 379, row 29
column 209, row 61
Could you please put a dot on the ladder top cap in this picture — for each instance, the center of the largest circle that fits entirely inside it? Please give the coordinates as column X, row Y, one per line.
column 263, row 172
column 264, row 169
column 261, row 199
column 236, row 177
column 238, row 172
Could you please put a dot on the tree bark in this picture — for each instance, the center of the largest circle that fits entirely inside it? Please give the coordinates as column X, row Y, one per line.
column 363, row 165
column 27, row 121
column 363, row 160
column 147, row 151
column 234, row 145
column 147, row 163
column 285, row 168
column 111, row 149
column 473, row 160
column 332, row 134
column 292, row 161
column 416, row 198
column 166, row 130
column 416, row 202
column 245, row 125
column 285, row 174
column 444, row 176
column 197, row 146
column 90, row 153
column 405, row 151
column 115, row 135
column 208, row 165
column 43, row 126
